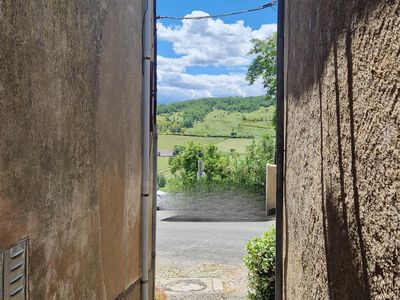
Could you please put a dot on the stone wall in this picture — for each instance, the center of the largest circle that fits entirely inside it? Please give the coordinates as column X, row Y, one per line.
column 70, row 144
column 342, row 167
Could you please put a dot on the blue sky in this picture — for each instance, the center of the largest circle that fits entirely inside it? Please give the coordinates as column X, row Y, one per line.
column 208, row 58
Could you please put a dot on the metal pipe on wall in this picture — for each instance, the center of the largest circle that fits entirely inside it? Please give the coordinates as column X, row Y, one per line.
column 154, row 207
column 155, row 146
column 145, row 184
column 280, row 142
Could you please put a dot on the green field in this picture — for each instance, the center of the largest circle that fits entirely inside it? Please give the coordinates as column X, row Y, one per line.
column 162, row 163
column 162, row 166
column 238, row 144
column 229, row 123
column 167, row 142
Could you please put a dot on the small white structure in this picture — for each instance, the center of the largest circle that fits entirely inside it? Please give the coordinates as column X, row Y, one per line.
column 200, row 169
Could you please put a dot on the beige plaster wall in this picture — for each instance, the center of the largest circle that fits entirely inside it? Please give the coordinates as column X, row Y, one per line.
column 342, row 210
column 70, row 144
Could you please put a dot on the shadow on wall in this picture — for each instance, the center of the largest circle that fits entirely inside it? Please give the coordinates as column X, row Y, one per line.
column 314, row 28
column 329, row 19
column 343, row 265
column 344, row 258
column 346, row 265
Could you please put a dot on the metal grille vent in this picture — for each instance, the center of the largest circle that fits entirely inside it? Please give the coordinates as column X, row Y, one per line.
column 13, row 273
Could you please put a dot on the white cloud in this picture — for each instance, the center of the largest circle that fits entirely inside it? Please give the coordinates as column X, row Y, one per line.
column 205, row 43
column 182, row 86
column 265, row 31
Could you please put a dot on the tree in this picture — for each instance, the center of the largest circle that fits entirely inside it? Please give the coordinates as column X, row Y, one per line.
column 212, row 163
column 264, row 64
column 185, row 163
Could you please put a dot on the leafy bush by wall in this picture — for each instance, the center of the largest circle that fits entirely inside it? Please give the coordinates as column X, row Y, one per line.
column 260, row 262
column 231, row 170
column 248, row 171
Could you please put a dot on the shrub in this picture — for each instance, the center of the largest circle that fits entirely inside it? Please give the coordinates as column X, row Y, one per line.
column 212, row 163
column 177, row 149
column 184, row 165
column 273, row 121
column 174, row 128
column 161, row 180
column 260, row 262
column 248, row 171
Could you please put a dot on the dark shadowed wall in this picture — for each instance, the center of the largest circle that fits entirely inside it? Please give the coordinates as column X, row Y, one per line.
column 342, row 206
column 70, row 144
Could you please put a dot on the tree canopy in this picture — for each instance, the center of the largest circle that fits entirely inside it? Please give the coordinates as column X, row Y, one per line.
column 264, row 64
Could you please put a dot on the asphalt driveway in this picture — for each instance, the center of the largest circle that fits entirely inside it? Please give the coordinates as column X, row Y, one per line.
column 205, row 250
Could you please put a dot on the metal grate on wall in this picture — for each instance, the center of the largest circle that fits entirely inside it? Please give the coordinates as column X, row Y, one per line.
column 13, row 272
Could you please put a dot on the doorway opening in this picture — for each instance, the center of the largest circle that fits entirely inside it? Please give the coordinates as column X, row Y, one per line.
column 216, row 66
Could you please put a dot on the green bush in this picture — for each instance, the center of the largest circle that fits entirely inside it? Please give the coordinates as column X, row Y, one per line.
column 248, row 171
column 161, row 180
column 230, row 170
column 185, row 164
column 260, row 262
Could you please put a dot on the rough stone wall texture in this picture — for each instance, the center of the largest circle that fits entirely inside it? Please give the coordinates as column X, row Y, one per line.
column 70, row 143
column 342, row 208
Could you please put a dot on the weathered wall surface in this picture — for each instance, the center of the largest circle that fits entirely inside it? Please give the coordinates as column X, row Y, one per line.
column 70, row 150
column 342, row 207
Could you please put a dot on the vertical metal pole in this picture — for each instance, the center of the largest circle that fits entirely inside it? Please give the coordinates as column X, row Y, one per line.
column 145, row 186
column 280, row 142
column 155, row 147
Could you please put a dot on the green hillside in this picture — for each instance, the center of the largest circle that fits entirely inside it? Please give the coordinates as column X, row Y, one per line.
column 229, row 123
column 245, row 117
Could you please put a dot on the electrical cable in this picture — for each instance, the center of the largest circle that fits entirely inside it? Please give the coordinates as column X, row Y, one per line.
column 267, row 5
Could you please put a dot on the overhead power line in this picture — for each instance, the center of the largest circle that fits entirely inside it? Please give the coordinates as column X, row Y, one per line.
column 267, row 5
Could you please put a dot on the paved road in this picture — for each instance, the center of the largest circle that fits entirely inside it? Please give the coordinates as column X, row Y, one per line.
column 189, row 243
column 205, row 250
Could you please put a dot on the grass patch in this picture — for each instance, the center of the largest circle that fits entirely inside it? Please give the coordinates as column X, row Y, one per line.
column 167, row 142
column 238, row 144
column 162, row 164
